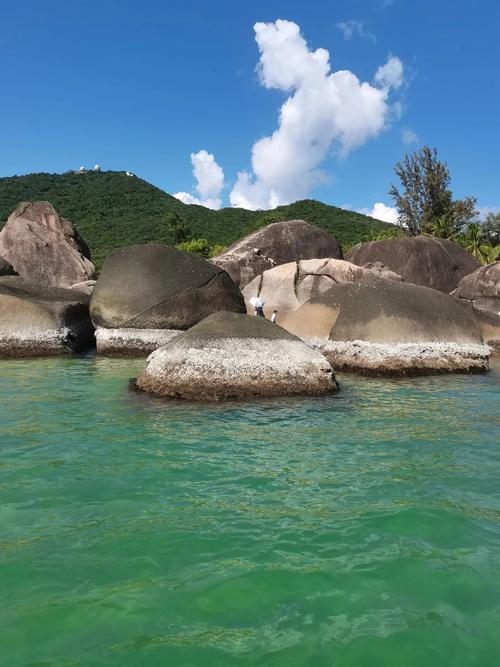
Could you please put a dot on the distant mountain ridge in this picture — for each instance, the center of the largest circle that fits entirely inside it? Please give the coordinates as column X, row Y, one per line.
column 111, row 209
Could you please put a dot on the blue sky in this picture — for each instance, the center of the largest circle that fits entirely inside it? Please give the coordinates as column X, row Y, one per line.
column 141, row 86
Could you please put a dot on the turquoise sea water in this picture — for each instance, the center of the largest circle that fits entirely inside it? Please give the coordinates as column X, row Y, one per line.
column 359, row 529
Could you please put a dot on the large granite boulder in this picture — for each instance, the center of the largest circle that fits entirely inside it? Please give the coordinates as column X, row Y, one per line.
column 489, row 326
column 274, row 244
column 228, row 355
column 388, row 327
column 482, row 288
column 6, row 269
column 145, row 294
column 285, row 288
column 422, row 260
column 42, row 321
column 44, row 248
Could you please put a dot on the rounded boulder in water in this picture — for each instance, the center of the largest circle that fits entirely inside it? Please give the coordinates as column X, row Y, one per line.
column 228, row 356
column 155, row 286
column 42, row 321
column 391, row 328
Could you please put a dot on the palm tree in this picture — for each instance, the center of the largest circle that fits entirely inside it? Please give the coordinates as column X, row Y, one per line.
column 472, row 240
column 442, row 228
column 490, row 253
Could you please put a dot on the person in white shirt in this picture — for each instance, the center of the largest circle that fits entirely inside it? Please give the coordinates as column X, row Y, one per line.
column 274, row 316
column 258, row 304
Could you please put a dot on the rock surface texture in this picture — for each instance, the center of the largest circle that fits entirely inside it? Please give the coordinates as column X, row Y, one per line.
column 44, row 248
column 132, row 342
column 482, row 288
column 386, row 327
column 228, row 356
column 422, row 260
column 42, row 321
column 87, row 287
column 6, row 269
column 144, row 290
column 285, row 288
column 275, row 244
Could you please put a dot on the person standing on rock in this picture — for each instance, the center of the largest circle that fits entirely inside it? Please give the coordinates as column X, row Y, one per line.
column 258, row 305
column 274, row 316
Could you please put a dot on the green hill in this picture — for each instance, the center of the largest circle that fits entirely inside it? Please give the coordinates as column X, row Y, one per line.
column 111, row 209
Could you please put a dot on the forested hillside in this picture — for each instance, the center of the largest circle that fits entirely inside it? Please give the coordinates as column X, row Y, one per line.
column 111, row 209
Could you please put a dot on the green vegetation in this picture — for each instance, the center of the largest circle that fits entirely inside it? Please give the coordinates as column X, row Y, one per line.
column 426, row 198
column 426, row 206
column 111, row 210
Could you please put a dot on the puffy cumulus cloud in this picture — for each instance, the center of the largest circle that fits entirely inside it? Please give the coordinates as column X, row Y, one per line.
column 390, row 75
column 408, row 136
column 380, row 211
column 324, row 110
column 354, row 28
column 209, row 181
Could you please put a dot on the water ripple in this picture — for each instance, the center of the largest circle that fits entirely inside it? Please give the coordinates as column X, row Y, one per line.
column 360, row 528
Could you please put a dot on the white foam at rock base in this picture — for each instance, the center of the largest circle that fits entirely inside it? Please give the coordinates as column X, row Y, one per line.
column 132, row 342
column 237, row 367
column 404, row 357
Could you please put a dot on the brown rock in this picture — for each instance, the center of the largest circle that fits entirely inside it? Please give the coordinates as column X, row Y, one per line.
column 422, row 260
column 275, row 244
column 285, row 288
column 44, row 248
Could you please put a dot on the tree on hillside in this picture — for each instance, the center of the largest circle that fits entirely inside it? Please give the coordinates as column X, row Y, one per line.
column 426, row 201
column 178, row 228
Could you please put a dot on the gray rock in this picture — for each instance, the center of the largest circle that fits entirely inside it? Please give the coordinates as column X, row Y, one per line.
column 482, row 288
column 45, row 248
column 132, row 342
column 228, row 355
column 275, row 244
column 383, row 271
column 42, row 321
column 422, row 260
column 388, row 327
column 156, row 287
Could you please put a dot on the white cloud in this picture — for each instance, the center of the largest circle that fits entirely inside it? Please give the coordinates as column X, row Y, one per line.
column 408, row 136
column 324, row 110
column 380, row 211
column 390, row 75
column 209, row 181
column 353, row 28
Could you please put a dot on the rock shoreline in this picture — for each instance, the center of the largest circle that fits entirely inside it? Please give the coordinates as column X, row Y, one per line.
column 44, row 343
column 403, row 359
column 131, row 342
